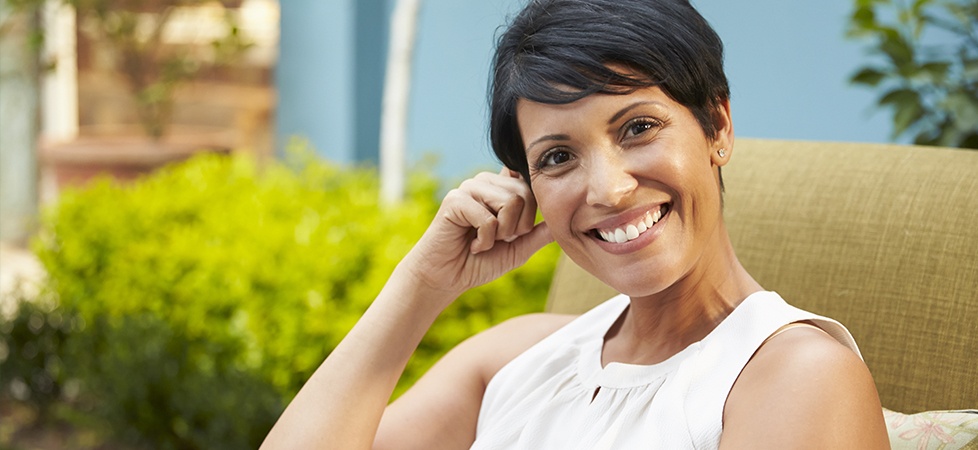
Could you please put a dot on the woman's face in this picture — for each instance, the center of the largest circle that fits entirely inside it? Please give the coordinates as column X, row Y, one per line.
column 628, row 184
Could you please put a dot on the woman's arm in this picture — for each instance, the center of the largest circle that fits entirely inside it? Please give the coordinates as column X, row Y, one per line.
column 482, row 230
column 802, row 389
column 441, row 410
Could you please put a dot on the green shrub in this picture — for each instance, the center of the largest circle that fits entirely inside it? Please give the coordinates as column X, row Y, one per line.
column 32, row 342
column 211, row 291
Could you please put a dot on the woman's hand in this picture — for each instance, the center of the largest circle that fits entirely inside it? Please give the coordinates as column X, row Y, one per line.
column 484, row 228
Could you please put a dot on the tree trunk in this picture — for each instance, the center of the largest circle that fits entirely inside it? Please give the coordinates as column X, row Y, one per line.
column 18, row 123
column 397, row 91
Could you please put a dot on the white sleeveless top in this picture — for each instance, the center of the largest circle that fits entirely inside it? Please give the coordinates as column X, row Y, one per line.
column 545, row 398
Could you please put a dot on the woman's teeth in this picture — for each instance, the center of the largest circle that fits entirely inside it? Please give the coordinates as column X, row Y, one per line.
column 632, row 231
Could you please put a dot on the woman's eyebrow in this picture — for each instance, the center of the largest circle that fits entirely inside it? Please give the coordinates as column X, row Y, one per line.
column 549, row 137
column 628, row 108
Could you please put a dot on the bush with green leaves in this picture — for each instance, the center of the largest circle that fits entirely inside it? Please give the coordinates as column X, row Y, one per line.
column 927, row 66
column 210, row 291
column 33, row 334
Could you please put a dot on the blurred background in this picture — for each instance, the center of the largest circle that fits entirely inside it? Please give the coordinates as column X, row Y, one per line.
column 200, row 197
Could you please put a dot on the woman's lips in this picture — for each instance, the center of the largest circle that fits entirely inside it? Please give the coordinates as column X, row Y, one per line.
column 633, row 230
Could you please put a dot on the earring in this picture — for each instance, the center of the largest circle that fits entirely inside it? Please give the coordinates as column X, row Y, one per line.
column 722, row 152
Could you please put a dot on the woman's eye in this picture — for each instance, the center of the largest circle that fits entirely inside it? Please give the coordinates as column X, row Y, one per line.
column 554, row 158
column 638, row 127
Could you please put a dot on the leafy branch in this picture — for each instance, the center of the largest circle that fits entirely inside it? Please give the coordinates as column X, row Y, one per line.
column 133, row 31
column 925, row 66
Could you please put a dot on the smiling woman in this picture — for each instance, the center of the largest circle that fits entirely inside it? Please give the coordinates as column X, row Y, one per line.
column 625, row 109
column 625, row 160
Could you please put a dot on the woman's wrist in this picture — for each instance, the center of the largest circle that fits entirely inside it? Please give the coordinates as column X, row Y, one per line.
column 417, row 273
column 409, row 287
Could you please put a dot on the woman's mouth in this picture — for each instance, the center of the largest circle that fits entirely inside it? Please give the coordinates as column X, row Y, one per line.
column 630, row 231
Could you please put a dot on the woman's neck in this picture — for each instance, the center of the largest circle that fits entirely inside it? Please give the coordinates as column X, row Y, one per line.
column 655, row 327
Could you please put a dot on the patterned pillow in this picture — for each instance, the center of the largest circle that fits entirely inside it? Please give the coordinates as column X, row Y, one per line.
column 933, row 430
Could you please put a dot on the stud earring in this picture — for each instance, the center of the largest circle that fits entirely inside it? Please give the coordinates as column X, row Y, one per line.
column 722, row 152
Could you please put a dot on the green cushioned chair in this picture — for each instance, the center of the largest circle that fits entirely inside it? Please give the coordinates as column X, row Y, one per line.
column 883, row 238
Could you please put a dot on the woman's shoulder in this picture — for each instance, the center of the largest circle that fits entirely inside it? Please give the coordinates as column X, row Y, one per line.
column 535, row 325
column 803, row 385
column 503, row 343
column 500, row 344
column 522, row 332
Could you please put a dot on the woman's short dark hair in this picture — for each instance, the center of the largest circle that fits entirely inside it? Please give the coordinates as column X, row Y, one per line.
column 559, row 51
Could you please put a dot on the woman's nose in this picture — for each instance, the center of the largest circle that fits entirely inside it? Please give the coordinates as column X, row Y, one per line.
column 609, row 181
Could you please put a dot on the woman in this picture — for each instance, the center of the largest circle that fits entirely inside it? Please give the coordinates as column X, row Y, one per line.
column 613, row 117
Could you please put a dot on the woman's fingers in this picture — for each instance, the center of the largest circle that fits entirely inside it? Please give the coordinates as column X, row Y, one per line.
column 508, row 198
column 484, row 228
column 528, row 215
column 531, row 242
column 466, row 211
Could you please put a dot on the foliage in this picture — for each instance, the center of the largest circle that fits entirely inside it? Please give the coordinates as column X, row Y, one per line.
column 927, row 68
column 209, row 292
column 134, row 31
column 32, row 342
column 152, row 69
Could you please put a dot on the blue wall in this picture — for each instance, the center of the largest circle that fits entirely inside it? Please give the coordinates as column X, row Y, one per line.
column 449, row 114
column 788, row 63
column 313, row 77
column 330, row 75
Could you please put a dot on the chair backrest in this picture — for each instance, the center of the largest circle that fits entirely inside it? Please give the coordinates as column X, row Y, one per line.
column 883, row 238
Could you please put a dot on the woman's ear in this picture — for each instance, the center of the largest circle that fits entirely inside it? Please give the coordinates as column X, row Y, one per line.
column 722, row 147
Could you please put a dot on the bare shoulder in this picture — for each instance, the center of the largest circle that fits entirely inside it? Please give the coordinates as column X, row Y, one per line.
column 803, row 389
column 441, row 410
column 498, row 345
